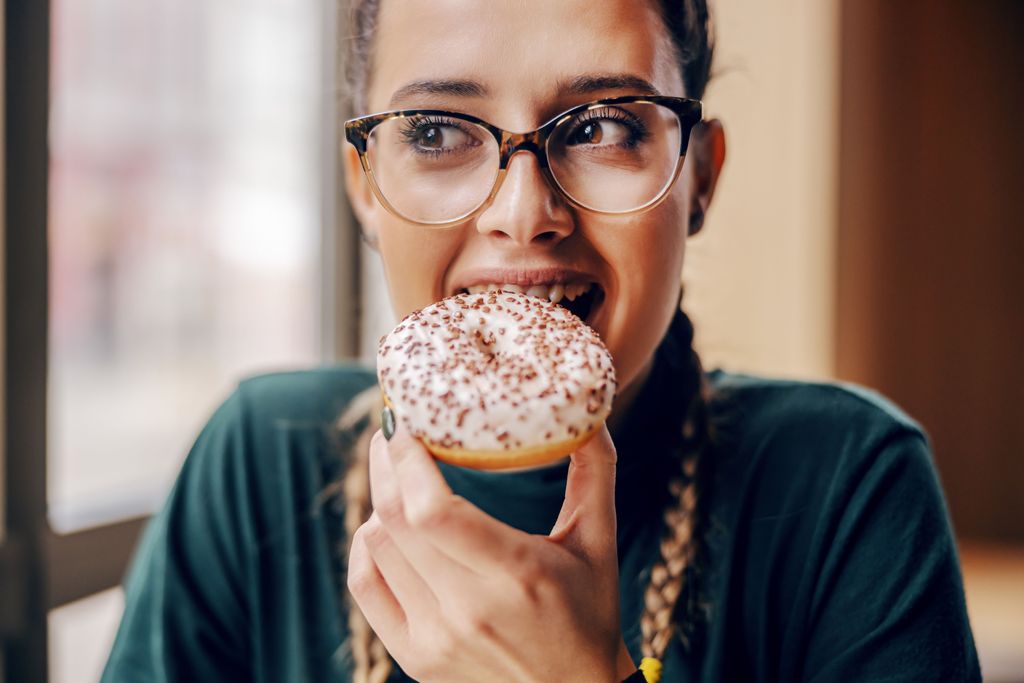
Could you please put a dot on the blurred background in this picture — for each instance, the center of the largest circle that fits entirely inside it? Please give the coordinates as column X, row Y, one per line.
column 173, row 221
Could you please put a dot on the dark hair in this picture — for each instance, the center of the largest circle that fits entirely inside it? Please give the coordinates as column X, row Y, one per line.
column 672, row 603
column 688, row 23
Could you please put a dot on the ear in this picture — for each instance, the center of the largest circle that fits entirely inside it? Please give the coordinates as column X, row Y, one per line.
column 360, row 195
column 707, row 148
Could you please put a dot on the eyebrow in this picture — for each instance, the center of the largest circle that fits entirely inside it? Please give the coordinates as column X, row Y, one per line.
column 590, row 83
column 579, row 85
column 457, row 88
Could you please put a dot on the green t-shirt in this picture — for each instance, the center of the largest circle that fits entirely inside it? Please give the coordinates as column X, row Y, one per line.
column 829, row 552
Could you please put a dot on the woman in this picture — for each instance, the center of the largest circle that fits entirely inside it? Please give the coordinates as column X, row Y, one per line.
column 728, row 527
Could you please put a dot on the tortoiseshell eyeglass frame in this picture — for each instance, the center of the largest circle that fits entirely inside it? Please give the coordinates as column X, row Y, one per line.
column 689, row 112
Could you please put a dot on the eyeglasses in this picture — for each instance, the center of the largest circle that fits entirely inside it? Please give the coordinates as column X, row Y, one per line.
column 613, row 156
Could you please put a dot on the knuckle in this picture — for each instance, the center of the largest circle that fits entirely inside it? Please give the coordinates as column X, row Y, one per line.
column 532, row 592
column 447, row 644
column 359, row 576
column 439, row 648
column 531, row 586
column 525, row 562
column 473, row 624
column 359, row 580
column 373, row 533
column 532, row 580
column 436, row 512
column 390, row 509
column 357, row 550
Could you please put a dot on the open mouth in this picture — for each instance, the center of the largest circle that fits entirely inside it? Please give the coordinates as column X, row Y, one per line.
column 582, row 299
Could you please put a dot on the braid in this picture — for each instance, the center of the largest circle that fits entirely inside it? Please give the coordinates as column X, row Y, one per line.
column 362, row 418
column 676, row 568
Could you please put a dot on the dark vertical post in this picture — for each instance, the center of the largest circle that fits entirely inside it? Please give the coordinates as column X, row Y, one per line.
column 26, row 95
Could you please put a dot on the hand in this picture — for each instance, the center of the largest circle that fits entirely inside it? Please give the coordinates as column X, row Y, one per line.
column 456, row 595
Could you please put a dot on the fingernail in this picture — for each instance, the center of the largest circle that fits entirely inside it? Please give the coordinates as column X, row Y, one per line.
column 387, row 422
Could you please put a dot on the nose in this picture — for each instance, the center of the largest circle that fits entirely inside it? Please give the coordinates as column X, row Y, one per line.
column 526, row 209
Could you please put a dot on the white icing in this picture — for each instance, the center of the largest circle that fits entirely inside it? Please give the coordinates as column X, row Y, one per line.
column 496, row 371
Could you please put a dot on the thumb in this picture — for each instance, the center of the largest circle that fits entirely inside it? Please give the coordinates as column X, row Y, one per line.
column 586, row 521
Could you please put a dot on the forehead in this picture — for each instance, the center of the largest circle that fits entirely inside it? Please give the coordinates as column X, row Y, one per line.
column 522, row 52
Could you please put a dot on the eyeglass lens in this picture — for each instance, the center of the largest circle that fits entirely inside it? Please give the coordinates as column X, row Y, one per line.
column 611, row 158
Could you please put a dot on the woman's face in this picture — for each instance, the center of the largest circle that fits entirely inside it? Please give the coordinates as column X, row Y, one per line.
column 525, row 57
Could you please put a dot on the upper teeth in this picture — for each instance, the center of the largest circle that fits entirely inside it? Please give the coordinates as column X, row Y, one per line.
column 553, row 293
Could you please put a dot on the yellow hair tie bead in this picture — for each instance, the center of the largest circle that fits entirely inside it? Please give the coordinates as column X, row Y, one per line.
column 651, row 669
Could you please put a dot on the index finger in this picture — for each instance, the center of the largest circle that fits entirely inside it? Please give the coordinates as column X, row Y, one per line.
column 450, row 522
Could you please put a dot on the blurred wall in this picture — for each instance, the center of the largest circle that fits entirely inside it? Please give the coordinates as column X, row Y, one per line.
column 759, row 277
column 931, row 243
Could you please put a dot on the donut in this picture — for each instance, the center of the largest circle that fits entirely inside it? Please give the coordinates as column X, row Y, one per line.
column 496, row 380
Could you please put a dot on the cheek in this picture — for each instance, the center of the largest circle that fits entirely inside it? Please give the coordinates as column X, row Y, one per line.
column 645, row 257
column 415, row 262
column 646, row 253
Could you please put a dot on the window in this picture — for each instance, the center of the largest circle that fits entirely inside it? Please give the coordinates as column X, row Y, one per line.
column 178, row 229
column 184, row 230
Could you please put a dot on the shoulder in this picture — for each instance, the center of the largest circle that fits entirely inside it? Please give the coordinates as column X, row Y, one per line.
column 290, row 416
column 807, row 416
column 248, row 503
column 264, row 413
column 830, row 515
column 259, row 468
column 815, row 442
column 275, row 438
column 315, row 394
column 777, row 403
column 263, row 404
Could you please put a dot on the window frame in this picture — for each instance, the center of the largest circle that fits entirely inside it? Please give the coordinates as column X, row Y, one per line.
column 23, row 550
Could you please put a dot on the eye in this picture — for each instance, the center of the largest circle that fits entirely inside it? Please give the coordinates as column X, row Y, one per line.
column 433, row 137
column 600, row 131
column 437, row 137
column 606, row 128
